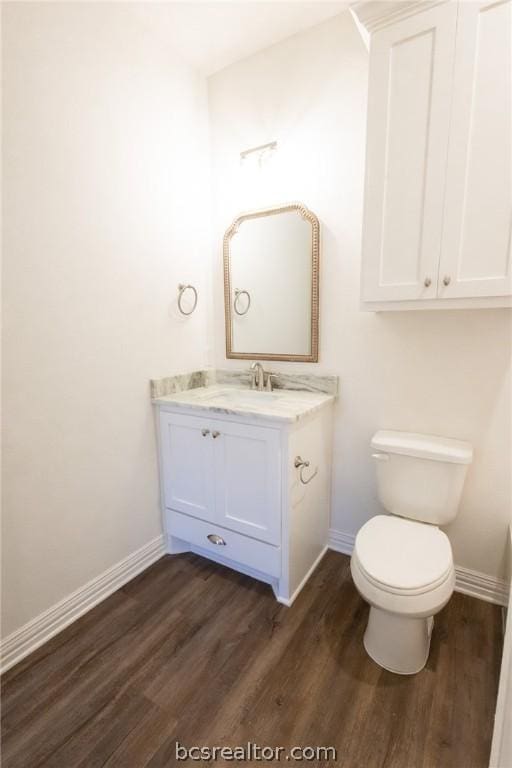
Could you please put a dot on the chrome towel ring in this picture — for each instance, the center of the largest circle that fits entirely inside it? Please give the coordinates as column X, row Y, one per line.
column 299, row 462
column 181, row 290
column 239, row 293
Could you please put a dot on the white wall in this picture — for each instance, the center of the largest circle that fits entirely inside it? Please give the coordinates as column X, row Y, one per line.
column 435, row 372
column 105, row 211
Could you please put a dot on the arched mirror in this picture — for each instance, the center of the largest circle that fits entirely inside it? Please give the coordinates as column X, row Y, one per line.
column 271, row 266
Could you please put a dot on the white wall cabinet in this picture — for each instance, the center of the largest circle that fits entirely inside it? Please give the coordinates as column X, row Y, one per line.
column 231, row 492
column 438, row 196
column 475, row 251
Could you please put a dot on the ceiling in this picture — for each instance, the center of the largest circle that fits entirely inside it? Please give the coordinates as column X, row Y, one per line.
column 212, row 35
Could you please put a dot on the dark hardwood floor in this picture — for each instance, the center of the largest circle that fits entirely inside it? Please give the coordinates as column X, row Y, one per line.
column 193, row 652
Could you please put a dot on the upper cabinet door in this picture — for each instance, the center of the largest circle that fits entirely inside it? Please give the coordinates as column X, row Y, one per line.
column 187, row 459
column 247, row 480
column 411, row 66
column 476, row 258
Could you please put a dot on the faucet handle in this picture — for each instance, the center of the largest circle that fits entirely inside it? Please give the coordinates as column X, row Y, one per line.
column 268, row 384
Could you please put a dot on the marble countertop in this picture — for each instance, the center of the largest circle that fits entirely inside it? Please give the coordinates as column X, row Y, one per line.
column 281, row 405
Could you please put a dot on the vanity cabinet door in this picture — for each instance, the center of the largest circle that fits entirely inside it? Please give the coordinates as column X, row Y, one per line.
column 188, row 464
column 248, row 480
column 409, row 96
column 476, row 258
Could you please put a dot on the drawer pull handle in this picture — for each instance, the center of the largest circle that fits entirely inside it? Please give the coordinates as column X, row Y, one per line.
column 205, row 432
column 215, row 434
column 216, row 539
column 299, row 462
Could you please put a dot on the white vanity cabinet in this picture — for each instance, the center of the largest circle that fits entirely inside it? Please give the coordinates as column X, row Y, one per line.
column 438, row 195
column 231, row 491
column 223, row 472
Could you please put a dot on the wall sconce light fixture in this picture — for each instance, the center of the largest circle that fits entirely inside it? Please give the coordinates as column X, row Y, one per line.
column 260, row 153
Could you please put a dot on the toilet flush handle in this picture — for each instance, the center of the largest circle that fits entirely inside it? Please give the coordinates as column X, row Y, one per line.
column 380, row 456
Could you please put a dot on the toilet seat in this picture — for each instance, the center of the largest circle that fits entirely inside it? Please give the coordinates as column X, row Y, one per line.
column 383, row 565
column 405, row 603
column 403, row 557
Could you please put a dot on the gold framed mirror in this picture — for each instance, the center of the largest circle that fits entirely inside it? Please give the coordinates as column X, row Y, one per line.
column 271, row 284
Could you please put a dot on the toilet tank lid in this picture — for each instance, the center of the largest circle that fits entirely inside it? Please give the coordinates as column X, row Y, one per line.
column 423, row 446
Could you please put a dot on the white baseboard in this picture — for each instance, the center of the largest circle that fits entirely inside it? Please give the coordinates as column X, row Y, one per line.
column 467, row 582
column 288, row 601
column 480, row 585
column 52, row 621
column 341, row 542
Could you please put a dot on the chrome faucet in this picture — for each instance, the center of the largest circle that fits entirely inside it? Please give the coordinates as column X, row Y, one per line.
column 257, row 376
column 260, row 379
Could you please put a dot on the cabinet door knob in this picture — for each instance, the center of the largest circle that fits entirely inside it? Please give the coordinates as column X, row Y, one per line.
column 446, row 280
column 205, row 432
column 428, row 282
column 215, row 434
column 216, row 539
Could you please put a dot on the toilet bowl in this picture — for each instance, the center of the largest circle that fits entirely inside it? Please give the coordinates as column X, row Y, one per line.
column 402, row 563
column 404, row 570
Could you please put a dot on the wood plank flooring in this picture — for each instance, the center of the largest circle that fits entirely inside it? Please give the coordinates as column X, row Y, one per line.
column 193, row 652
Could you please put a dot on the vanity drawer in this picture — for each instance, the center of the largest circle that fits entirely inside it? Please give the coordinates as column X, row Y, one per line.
column 233, row 546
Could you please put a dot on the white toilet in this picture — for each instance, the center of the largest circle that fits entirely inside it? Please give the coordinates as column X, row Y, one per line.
column 402, row 563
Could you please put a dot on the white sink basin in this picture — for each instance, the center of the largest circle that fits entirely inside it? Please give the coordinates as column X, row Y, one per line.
column 241, row 397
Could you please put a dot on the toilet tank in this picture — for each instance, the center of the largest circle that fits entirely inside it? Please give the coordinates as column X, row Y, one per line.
column 420, row 477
